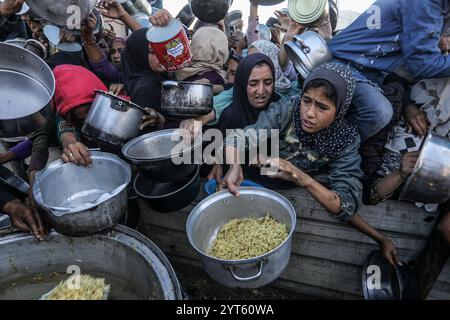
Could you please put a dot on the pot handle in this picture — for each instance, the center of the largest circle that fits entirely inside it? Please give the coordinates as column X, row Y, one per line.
column 304, row 47
column 248, row 279
column 167, row 85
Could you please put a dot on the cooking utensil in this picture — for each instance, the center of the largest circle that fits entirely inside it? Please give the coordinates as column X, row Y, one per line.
column 135, row 6
column 134, row 266
column 27, row 87
column 62, row 12
column 186, row 15
column 80, row 201
column 168, row 196
column 264, row 32
column 211, row 185
column 157, row 155
column 13, row 182
column 308, row 12
column 186, row 98
column 269, row 2
column 211, row 11
column 430, row 180
column 112, row 121
column 234, row 17
column 308, row 51
column 208, row 217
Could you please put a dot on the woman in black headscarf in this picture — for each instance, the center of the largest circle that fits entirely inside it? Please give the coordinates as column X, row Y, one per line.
column 315, row 138
column 143, row 76
column 254, row 90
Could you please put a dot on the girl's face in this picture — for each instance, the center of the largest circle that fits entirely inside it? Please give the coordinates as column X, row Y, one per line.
column 317, row 111
column 260, row 86
column 116, row 52
column 154, row 62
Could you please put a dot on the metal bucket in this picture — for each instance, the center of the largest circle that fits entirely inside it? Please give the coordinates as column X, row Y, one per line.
column 81, row 201
column 134, row 266
column 27, row 85
column 209, row 216
column 430, row 180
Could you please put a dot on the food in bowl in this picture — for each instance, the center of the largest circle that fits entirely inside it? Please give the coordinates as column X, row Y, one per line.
column 248, row 238
column 82, row 287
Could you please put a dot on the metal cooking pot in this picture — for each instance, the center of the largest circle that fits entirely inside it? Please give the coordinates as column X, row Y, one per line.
column 186, row 15
column 308, row 51
column 155, row 155
column 168, row 196
column 430, row 180
column 60, row 12
column 13, row 183
column 135, row 6
column 211, row 11
column 134, row 266
column 80, row 201
column 269, row 2
column 186, row 98
column 211, row 214
column 112, row 121
column 27, row 86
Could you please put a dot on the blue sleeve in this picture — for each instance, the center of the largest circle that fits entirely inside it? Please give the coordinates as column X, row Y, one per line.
column 422, row 23
column 107, row 70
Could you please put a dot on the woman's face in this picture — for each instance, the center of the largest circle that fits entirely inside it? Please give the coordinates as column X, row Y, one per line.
column 231, row 70
column 317, row 111
column 154, row 62
column 116, row 52
column 260, row 86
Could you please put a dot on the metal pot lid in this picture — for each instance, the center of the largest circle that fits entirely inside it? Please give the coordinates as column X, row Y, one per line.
column 307, row 11
column 269, row 2
column 61, row 12
column 234, row 17
column 157, row 190
column 391, row 284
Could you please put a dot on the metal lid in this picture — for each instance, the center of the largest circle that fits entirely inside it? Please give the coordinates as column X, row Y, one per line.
column 307, row 11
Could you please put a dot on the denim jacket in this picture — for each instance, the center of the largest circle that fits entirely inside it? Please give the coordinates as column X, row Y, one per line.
column 343, row 172
column 397, row 36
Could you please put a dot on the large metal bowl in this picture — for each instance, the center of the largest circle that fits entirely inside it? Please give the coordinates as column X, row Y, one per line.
column 81, row 201
column 210, row 215
column 308, row 51
column 62, row 12
column 430, row 180
column 133, row 265
column 27, row 86
column 158, row 155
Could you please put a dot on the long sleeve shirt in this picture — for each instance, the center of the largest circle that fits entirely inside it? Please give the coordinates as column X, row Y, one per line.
column 105, row 69
column 397, row 36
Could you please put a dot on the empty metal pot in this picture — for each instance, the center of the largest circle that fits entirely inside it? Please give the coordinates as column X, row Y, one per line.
column 134, row 266
column 168, row 196
column 163, row 156
column 308, row 51
column 135, row 6
column 80, row 201
column 209, row 216
column 62, row 12
column 112, row 121
column 211, row 11
column 27, row 86
column 430, row 180
column 186, row 99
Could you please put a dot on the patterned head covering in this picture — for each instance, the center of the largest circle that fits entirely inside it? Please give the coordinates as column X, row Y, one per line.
column 282, row 83
column 332, row 141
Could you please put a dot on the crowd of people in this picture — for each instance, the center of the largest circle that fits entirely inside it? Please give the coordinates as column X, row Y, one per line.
column 331, row 124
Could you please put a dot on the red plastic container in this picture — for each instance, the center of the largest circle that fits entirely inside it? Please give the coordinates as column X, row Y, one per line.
column 171, row 45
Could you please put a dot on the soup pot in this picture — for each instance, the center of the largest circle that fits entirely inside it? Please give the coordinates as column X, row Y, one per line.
column 81, row 201
column 187, row 99
column 308, row 51
column 112, row 121
column 209, row 216
column 134, row 266
column 430, row 180
column 27, row 86
column 211, row 11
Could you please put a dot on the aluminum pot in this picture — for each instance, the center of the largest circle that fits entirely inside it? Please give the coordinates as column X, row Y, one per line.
column 135, row 6
column 157, row 155
column 112, row 121
column 430, row 180
column 208, row 217
column 186, row 15
column 134, row 266
column 27, row 86
column 168, row 196
column 186, row 98
column 211, row 11
column 308, row 51
column 81, row 201
column 60, row 12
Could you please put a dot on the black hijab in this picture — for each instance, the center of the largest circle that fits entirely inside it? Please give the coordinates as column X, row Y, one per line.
column 143, row 84
column 241, row 113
